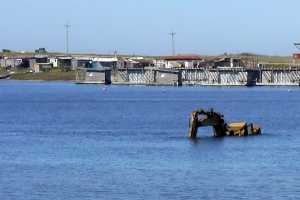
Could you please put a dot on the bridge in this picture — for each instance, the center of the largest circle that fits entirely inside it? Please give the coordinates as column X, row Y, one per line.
column 225, row 76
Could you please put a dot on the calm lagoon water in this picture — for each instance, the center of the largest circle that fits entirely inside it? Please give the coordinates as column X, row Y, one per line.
column 67, row 141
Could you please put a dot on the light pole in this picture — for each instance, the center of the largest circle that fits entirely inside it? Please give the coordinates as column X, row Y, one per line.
column 67, row 26
column 173, row 42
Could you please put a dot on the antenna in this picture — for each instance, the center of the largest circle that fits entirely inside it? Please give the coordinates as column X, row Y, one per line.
column 173, row 42
column 67, row 26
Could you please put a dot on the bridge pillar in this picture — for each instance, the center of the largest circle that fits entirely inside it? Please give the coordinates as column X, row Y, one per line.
column 219, row 77
column 154, row 76
column 107, row 80
column 179, row 78
column 272, row 76
column 252, row 77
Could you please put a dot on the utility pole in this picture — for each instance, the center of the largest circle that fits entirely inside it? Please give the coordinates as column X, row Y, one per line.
column 67, row 26
column 173, row 42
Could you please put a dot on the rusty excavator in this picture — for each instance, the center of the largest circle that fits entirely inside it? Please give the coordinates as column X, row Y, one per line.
column 202, row 118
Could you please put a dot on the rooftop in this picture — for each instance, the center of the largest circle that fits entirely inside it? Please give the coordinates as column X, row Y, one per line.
column 182, row 58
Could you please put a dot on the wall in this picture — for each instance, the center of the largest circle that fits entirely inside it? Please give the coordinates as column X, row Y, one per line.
column 219, row 77
column 167, row 78
column 280, row 77
column 10, row 62
column 53, row 61
column 93, row 76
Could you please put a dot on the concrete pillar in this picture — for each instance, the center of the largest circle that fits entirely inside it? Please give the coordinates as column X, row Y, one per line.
column 154, row 76
column 179, row 78
column 252, row 77
column 260, row 76
column 272, row 76
column 107, row 77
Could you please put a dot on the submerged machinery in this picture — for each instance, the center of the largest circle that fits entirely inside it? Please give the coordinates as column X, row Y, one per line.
column 202, row 118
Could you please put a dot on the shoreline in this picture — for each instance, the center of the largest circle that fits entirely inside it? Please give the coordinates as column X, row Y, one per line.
column 70, row 77
column 150, row 85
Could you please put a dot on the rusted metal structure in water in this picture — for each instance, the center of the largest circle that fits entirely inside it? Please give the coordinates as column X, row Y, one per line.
column 202, row 118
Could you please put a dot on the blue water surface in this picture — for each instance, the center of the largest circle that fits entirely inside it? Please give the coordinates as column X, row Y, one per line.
column 84, row 142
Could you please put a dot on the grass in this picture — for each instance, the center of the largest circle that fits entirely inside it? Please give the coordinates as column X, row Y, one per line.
column 275, row 59
column 45, row 76
column 2, row 71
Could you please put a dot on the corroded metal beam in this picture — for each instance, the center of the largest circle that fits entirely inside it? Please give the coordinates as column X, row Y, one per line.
column 202, row 118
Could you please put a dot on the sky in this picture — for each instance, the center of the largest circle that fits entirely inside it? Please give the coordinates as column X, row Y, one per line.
column 142, row 27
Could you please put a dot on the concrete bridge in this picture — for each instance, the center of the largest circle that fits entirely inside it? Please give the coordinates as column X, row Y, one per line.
column 279, row 75
column 220, row 76
column 177, row 77
column 147, row 76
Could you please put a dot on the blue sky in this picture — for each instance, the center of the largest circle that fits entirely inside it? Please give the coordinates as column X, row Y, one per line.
column 207, row 27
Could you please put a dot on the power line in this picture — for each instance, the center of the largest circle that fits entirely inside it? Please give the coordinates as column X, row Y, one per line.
column 67, row 26
column 173, row 42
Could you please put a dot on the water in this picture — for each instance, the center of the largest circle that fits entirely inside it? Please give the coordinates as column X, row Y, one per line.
column 67, row 141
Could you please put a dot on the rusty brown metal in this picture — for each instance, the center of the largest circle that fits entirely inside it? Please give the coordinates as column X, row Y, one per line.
column 202, row 118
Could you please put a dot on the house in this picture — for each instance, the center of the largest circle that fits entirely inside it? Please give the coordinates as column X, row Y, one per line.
column 128, row 63
column 179, row 61
column 81, row 62
column 227, row 61
column 42, row 67
column 40, row 63
column 17, row 61
column 135, row 62
column 296, row 58
column 108, row 62
column 65, row 63
column 41, row 58
column 53, row 61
